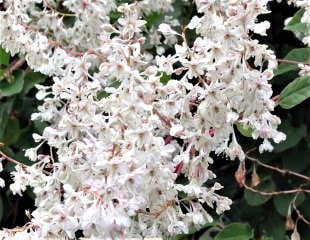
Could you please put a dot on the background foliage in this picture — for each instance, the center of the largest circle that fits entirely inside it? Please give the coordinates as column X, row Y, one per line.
column 253, row 216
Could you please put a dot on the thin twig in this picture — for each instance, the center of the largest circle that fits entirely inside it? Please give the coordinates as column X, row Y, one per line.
column 158, row 212
column 297, row 190
column 16, row 64
column 163, row 118
column 164, row 207
column 12, row 67
column 57, row 44
column 292, row 62
column 299, row 214
column 12, row 160
column 282, row 171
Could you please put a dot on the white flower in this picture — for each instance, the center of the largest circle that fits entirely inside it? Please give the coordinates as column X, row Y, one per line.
column 232, row 117
column 165, row 64
column 176, row 130
column 178, row 227
column 20, row 181
column 265, row 146
column 165, row 29
column 194, row 23
column 261, row 28
column 31, row 153
column 304, row 70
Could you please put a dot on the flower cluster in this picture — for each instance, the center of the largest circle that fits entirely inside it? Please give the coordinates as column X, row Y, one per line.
column 120, row 138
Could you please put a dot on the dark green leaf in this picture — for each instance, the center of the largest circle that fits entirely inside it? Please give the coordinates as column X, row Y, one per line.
column 296, row 26
column 235, row 231
column 255, row 199
column 32, row 78
column 164, row 79
column 9, row 166
column 69, row 21
column 295, row 93
column 266, row 238
column 39, row 126
column 296, row 159
column 20, row 156
column 299, row 55
column 1, row 74
column 13, row 87
column 4, row 57
column 114, row 16
column 282, row 202
column 293, row 136
column 299, row 27
column 154, row 19
column 13, row 132
column 104, row 94
column 5, row 109
column 274, row 225
column 297, row 17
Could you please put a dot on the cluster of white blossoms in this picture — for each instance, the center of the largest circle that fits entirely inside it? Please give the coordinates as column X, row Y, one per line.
column 115, row 161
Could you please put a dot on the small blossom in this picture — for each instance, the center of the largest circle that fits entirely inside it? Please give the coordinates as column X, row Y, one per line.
column 166, row 29
column 31, row 153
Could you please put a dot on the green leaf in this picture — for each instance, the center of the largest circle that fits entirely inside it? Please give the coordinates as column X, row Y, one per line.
column 282, row 202
column 39, row 126
column 4, row 57
column 104, row 94
column 273, row 224
column 5, row 109
column 296, row 26
column 1, row 74
column 299, row 27
column 292, row 162
column 235, row 231
column 244, row 129
column 295, row 92
column 193, row 230
column 13, row 132
column 15, row 86
column 299, row 55
column 266, row 238
column 20, row 156
column 255, row 199
column 32, row 78
column 297, row 17
column 164, row 79
column 114, row 16
column 293, row 136
column 153, row 19
column 304, row 207
column 9, row 166
column 69, row 21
